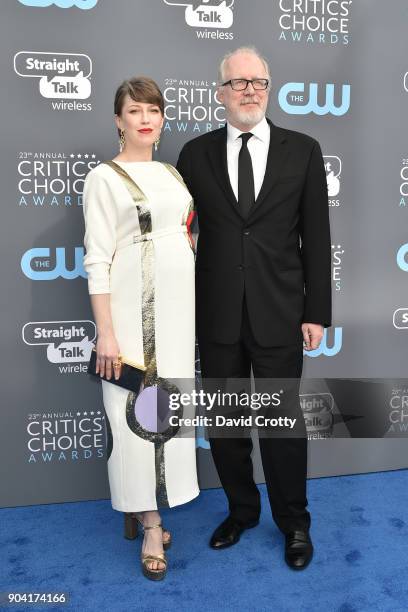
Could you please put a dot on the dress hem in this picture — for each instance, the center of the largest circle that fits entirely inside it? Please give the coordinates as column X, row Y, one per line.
column 147, row 507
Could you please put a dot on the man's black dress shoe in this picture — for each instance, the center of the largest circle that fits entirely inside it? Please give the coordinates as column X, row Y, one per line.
column 228, row 533
column 298, row 549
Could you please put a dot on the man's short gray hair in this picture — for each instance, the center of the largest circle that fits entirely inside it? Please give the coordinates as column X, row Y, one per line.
column 251, row 50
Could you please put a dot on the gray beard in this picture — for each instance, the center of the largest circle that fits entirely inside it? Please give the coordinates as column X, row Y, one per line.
column 249, row 118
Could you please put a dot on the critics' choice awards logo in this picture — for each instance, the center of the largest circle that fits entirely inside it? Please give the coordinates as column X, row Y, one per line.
column 61, row 76
column 333, row 167
column 192, row 106
column 328, row 347
column 52, row 179
column 400, row 318
column 208, row 14
column 45, row 264
column 66, row 436
column 82, row 4
column 294, row 99
column 398, row 411
column 315, row 21
column 318, row 414
column 67, row 342
column 404, row 183
column 402, row 257
column 337, row 252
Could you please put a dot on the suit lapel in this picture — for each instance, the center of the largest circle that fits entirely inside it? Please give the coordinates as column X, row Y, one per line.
column 277, row 156
column 217, row 154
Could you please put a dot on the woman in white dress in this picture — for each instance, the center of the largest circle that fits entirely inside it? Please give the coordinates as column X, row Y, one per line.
column 140, row 267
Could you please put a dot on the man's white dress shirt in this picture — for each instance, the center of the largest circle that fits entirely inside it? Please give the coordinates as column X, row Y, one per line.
column 258, row 147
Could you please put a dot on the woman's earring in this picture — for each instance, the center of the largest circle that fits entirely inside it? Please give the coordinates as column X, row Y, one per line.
column 122, row 141
column 156, row 144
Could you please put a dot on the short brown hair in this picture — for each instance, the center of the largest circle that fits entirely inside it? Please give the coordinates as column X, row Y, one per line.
column 140, row 89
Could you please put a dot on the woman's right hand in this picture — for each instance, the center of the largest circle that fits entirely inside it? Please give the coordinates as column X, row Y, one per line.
column 107, row 352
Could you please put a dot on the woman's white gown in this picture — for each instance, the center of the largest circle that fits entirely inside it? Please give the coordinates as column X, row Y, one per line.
column 137, row 249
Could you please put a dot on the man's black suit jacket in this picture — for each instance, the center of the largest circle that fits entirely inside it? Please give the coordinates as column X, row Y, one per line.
column 279, row 256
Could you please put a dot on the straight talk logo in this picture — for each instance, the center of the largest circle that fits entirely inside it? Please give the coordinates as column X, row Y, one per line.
column 207, row 14
column 69, row 343
column 317, row 410
column 62, row 76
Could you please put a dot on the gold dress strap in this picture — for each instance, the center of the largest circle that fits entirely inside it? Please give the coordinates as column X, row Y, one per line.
column 134, row 189
column 180, row 179
column 175, row 173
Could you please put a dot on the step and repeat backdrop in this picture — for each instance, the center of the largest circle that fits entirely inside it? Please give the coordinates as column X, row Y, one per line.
column 339, row 73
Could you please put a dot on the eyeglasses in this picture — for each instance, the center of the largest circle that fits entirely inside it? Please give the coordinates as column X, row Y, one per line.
column 242, row 84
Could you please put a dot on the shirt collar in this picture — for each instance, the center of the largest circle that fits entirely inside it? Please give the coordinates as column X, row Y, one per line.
column 261, row 131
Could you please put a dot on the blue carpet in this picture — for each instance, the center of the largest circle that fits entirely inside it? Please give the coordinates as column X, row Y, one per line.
column 360, row 529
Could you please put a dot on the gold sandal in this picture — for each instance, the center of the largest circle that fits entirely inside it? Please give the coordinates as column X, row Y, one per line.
column 148, row 572
column 131, row 529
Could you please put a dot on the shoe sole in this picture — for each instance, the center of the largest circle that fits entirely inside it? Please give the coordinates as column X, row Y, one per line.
column 154, row 576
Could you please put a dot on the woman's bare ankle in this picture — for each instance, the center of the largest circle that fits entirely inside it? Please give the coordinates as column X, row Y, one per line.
column 150, row 518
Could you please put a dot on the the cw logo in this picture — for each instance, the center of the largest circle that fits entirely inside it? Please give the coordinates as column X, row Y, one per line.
column 402, row 260
column 292, row 100
column 326, row 350
column 37, row 264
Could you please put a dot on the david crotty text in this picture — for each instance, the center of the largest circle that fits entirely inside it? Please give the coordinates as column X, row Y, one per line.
column 222, row 421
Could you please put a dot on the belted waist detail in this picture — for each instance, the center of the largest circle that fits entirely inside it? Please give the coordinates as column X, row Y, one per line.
column 168, row 231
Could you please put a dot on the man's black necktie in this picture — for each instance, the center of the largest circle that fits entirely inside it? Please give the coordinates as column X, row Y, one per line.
column 246, row 189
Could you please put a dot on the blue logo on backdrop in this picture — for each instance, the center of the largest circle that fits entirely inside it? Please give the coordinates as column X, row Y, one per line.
column 292, row 100
column 324, row 349
column 82, row 4
column 38, row 264
column 402, row 260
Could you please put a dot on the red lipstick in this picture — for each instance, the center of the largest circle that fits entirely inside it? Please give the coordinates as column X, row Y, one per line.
column 145, row 131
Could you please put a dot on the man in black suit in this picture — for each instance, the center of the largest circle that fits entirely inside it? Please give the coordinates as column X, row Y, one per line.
column 263, row 284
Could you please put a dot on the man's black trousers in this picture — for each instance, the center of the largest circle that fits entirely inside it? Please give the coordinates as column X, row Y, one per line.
column 284, row 458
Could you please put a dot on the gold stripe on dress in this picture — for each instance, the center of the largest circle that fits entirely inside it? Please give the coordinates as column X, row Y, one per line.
column 135, row 191
column 175, row 173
